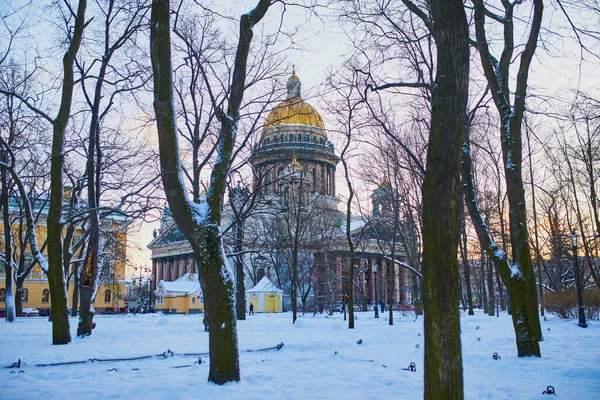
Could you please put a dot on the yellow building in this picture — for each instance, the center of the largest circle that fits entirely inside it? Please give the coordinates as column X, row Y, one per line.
column 36, row 294
column 265, row 297
column 181, row 296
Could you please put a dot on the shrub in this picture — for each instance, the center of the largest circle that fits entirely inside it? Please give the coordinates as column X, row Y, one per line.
column 563, row 303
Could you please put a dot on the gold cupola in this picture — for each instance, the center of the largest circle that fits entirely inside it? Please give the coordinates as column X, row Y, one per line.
column 293, row 110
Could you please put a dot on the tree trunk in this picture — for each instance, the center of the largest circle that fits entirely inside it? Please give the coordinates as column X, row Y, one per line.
column 442, row 202
column 8, row 262
column 201, row 223
column 75, row 298
column 239, row 272
column 56, row 279
column 516, row 286
column 520, row 277
column 491, row 295
column 467, row 268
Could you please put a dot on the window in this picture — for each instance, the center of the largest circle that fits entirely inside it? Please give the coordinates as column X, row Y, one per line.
column 267, row 140
column 193, row 300
column 45, row 296
column 315, row 139
column 160, row 300
column 25, row 296
column 307, row 138
column 2, row 295
column 283, row 138
column 292, row 138
column 107, row 295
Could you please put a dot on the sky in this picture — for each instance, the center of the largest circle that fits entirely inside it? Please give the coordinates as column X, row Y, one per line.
column 322, row 43
column 320, row 359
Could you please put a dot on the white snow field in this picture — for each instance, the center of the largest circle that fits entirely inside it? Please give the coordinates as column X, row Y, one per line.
column 320, row 359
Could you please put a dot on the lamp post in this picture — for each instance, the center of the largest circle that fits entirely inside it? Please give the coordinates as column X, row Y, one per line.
column 574, row 238
column 375, row 279
column 150, row 307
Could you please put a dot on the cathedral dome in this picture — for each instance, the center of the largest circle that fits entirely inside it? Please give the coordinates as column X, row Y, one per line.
column 294, row 110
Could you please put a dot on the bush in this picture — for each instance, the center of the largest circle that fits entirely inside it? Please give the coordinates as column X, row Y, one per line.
column 564, row 303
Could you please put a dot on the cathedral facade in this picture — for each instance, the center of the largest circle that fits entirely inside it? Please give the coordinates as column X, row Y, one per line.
column 294, row 165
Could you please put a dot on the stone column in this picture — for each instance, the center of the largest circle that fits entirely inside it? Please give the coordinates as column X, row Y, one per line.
column 339, row 277
column 382, row 280
column 168, row 268
column 182, row 265
column 154, row 262
column 371, row 280
column 398, row 283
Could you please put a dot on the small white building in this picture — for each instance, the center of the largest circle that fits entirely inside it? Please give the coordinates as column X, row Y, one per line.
column 181, row 296
column 265, row 296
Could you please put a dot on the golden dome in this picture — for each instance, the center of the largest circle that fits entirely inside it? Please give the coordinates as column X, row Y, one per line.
column 294, row 111
column 295, row 164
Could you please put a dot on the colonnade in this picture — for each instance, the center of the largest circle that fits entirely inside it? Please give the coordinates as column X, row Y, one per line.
column 170, row 268
column 332, row 275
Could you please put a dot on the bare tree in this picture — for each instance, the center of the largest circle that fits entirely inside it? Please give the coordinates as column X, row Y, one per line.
column 201, row 223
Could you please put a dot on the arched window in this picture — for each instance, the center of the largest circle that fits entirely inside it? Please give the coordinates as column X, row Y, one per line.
column 45, row 296
column 107, row 294
column 2, row 295
column 307, row 138
column 25, row 296
column 315, row 139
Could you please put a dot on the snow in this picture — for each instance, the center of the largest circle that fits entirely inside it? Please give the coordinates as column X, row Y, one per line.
column 320, row 359
column 265, row 285
column 187, row 283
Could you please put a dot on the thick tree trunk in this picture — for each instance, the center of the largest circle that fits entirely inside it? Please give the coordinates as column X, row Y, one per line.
column 516, row 286
column 56, row 279
column 442, row 202
column 519, row 277
column 201, row 223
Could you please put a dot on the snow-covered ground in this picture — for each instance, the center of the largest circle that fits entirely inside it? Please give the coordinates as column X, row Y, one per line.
column 321, row 359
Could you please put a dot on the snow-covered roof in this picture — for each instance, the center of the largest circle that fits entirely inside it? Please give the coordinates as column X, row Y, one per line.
column 265, row 285
column 186, row 284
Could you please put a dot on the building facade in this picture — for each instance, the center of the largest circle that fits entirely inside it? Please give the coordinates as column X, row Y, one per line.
column 35, row 291
column 294, row 167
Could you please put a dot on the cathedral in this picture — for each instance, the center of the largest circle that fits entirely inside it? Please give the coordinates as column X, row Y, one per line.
column 294, row 145
column 294, row 166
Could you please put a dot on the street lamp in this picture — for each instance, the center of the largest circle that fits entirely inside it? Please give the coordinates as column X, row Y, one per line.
column 150, row 279
column 375, row 279
column 574, row 237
